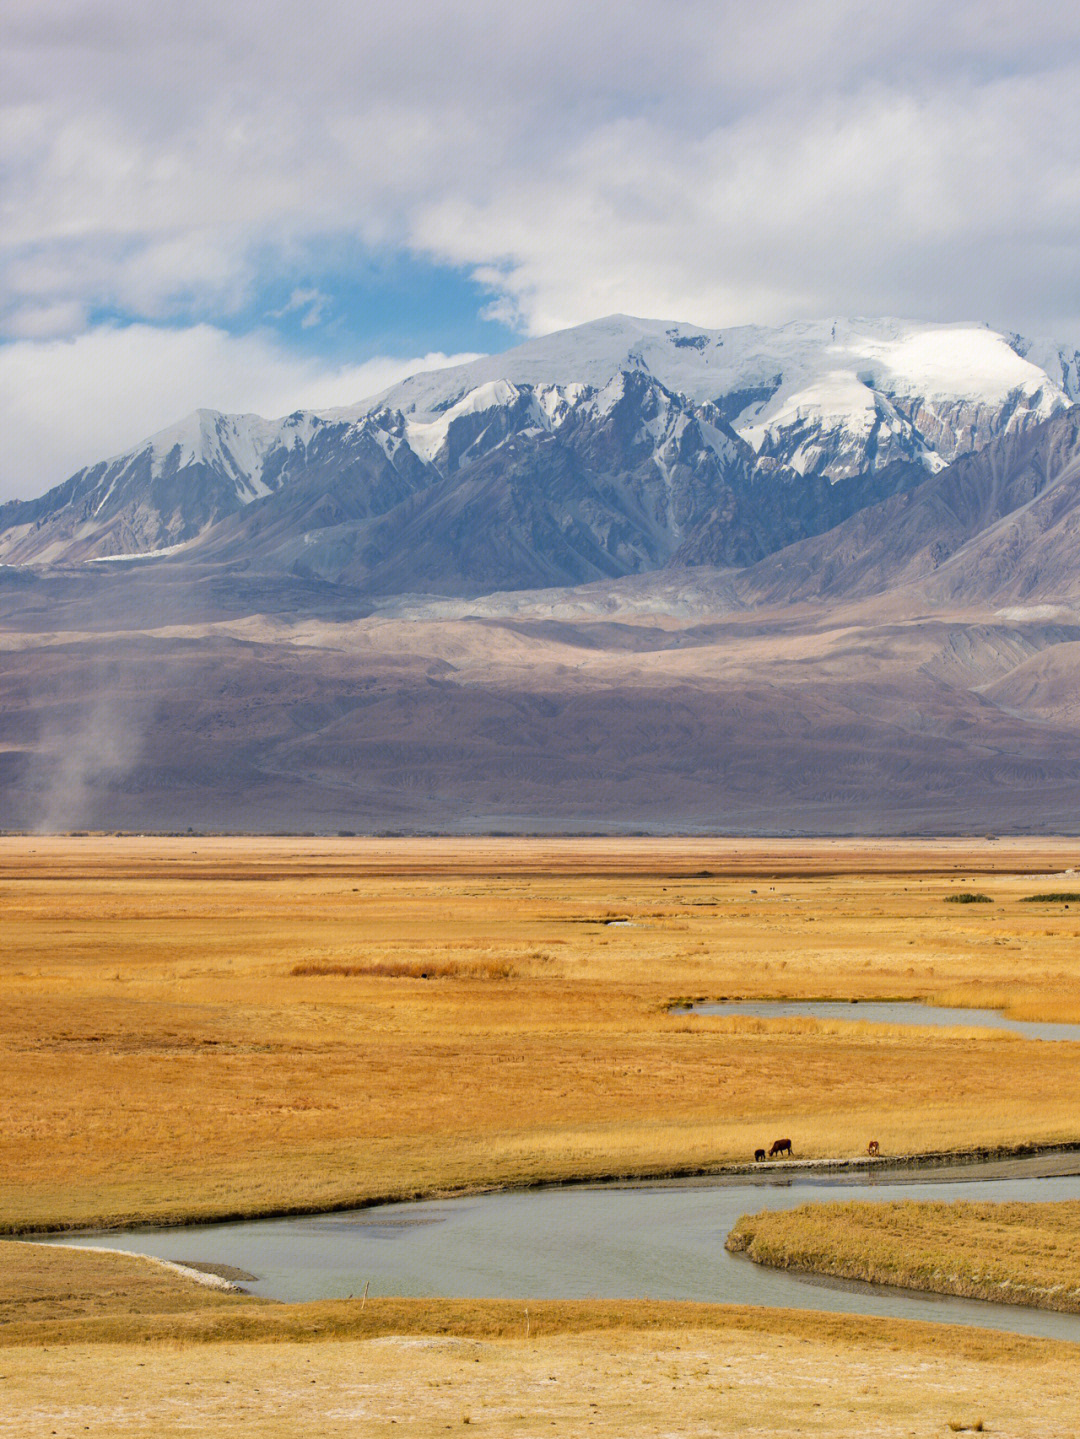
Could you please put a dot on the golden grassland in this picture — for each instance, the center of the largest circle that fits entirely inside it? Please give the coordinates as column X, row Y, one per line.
column 671, row 1382
column 206, row 1027
column 45, row 1289
column 235, row 1366
column 1011, row 1253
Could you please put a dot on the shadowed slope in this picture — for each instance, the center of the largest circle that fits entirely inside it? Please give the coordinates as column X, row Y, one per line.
column 999, row 525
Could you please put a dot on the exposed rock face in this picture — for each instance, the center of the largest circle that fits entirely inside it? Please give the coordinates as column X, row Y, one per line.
column 590, row 486
column 1001, row 524
column 616, row 448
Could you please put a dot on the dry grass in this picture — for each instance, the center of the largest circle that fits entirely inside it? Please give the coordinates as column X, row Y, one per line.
column 412, row 969
column 214, row 1027
column 42, row 1285
column 1010, row 1253
column 721, row 1373
column 132, row 856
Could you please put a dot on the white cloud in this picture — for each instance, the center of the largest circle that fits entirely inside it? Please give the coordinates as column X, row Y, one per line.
column 67, row 403
column 624, row 156
column 707, row 160
column 47, row 321
column 945, row 207
column 310, row 304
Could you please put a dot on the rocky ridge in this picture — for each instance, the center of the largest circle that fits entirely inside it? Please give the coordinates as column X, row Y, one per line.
column 616, row 448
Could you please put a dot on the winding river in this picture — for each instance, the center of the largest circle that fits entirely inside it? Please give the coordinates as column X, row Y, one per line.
column 657, row 1240
column 662, row 1240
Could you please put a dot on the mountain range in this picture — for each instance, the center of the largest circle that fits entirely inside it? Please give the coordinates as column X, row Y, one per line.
column 620, row 447
column 632, row 575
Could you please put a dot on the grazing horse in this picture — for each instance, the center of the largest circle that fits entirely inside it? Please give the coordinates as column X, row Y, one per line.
column 780, row 1146
column 759, row 1155
column 873, row 1149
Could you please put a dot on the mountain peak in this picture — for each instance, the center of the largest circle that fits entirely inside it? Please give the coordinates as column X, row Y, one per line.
column 837, row 401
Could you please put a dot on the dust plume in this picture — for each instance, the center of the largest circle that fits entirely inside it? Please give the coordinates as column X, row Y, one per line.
column 88, row 748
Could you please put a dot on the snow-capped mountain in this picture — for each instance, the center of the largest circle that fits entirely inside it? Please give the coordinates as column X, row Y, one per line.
column 517, row 485
column 165, row 491
column 831, row 397
column 618, row 446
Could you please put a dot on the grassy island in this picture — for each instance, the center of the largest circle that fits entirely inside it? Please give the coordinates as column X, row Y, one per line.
column 1008, row 1253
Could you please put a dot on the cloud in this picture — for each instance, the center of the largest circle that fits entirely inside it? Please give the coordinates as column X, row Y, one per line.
column 311, row 304
column 46, row 321
column 706, row 160
column 67, row 403
column 152, row 160
column 950, row 206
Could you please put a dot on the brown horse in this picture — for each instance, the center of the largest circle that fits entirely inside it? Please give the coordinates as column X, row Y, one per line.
column 780, row 1146
column 873, row 1149
column 759, row 1155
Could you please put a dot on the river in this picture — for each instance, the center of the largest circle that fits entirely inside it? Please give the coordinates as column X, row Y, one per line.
column 903, row 1012
column 660, row 1240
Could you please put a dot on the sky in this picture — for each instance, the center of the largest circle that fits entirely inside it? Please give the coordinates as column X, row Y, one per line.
column 266, row 206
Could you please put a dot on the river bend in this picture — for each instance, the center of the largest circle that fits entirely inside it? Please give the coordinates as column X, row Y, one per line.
column 660, row 1240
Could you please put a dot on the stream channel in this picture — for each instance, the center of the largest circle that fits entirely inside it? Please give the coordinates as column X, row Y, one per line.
column 888, row 1011
column 659, row 1239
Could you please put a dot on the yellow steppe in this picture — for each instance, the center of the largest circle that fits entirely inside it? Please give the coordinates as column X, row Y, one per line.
column 197, row 1027
column 238, row 1367
column 670, row 1383
column 1012, row 1253
column 53, row 1292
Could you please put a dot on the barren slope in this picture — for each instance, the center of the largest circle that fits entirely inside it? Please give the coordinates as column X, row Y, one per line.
column 210, row 712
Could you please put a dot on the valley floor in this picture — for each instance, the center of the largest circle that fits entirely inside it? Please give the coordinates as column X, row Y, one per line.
column 197, row 1027
column 211, row 1027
